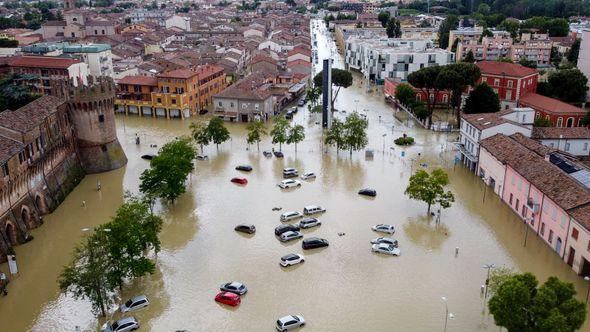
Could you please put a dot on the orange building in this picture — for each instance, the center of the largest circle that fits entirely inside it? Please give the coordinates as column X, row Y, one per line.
column 179, row 93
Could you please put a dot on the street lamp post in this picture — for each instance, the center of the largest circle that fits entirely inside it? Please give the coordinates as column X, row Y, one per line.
column 448, row 315
column 489, row 267
column 384, row 135
column 587, row 278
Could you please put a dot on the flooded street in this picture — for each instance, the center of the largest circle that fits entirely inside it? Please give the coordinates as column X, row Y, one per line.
column 344, row 287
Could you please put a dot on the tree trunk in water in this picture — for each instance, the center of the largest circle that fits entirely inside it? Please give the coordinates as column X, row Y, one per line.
column 201, row 148
column 428, row 208
column 258, row 145
column 280, row 146
column 217, row 147
column 295, row 147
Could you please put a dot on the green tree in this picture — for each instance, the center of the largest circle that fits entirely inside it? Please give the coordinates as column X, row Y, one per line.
column 450, row 23
column 574, row 52
column 523, row 61
column 217, row 131
column 313, row 94
column 200, row 134
column 483, row 9
column 545, row 89
column 280, row 131
column 429, row 188
column 405, row 93
column 335, row 135
column 15, row 92
column 355, row 132
column 340, row 79
column 168, row 171
column 383, row 17
column 458, row 77
column 454, row 45
column 482, row 99
column 393, row 28
column 256, row 130
column 133, row 229
column 497, row 277
column 569, row 85
column 430, row 82
column 519, row 305
column 296, row 134
column 469, row 57
column 510, row 25
column 558, row 27
column 542, row 122
column 87, row 274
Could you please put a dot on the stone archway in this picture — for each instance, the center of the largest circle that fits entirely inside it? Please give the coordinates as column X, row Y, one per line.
column 25, row 214
column 41, row 204
column 11, row 234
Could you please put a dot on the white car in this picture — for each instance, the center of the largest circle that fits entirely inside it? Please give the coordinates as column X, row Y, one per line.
column 289, row 183
column 313, row 209
column 384, row 228
column 291, row 215
column 290, row 235
column 308, row 175
column 386, row 248
column 122, row 325
column 135, row 303
column 291, row 259
column 309, row 222
column 387, row 240
column 290, row 322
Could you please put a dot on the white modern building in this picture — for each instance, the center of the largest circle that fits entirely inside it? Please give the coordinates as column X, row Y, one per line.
column 383, row 58
column 574, row 140
column 97, row 56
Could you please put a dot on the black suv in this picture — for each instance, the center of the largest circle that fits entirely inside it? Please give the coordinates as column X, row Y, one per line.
column 285, row 228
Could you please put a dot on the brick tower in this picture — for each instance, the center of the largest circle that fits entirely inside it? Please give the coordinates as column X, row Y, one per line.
column 92, row 112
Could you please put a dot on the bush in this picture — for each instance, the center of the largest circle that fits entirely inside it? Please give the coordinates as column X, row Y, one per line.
column 404, row 140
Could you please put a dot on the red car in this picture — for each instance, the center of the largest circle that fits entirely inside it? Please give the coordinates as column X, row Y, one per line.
column 239, row 180
column 228, row 298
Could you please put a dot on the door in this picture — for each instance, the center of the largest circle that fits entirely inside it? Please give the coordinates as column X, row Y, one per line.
column 244, row 117
column 493, row 184
column 558, row 245
column 585, row 270
column 570, row 257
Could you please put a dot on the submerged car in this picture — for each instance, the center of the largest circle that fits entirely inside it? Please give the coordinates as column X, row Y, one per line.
column 245, row 168
column 267, row 154
column 313, row 209
column 289, row 183
column 239, row 180
column 387, row 240
column 135, row 303
column 290, row 322
column 245, row 228
column 202, row 157
column 289, row 173
column 308, row 175
column 291, row 215
column 123, row 325
column 314, row 242
column 228, row 298
column 285, row 228
column 148, row 156
column 301, row 102
column 386, row 248
column 278, row 154
column 384, row 228
column 309, row 222
column 290, row 235
column 291, row 259
column 368, row 192
column 234, row 287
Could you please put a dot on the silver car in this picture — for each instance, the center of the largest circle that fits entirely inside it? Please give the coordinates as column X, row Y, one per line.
column 309, row 222
column 290, row 235
column 308, row 175
column 135, row 303
column 234, row 287
column 123, row 325
column 289, row 183
column 384, row 228
column 291, row 259
column 291, row 215
column 290, row 322
column 385, row 248
column 387, row 240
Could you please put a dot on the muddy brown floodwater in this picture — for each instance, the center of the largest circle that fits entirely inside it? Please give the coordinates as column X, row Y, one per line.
column 344, row 287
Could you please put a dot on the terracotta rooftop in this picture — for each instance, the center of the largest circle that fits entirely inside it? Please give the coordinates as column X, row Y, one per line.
column 251, row 87
column 8, row 148
column 139, row 80
column 561, row 133
column 178, row 73
column 208, row 70
column 43, row 62
column 548, row 104
column 550, row 179
column 31, row 115
column 505, row 68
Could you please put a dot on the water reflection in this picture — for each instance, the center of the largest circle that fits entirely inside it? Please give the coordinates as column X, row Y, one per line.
column 425, row 232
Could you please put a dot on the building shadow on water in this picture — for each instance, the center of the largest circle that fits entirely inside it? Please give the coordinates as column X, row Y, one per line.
column 425, row 232
column 181, row 222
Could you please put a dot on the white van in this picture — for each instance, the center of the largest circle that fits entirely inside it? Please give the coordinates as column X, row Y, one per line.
column 313, row 209
column 291, row 215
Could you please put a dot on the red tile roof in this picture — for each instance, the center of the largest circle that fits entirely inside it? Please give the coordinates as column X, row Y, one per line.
column 31, row 115
column 561, row 133
column 139, row 80
column 43, row 62
column 178, row 73
column 8, row 148
column 549, row 105
column 505, row 68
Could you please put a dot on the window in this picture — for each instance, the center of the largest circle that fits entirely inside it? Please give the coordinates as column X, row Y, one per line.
column 554, row 214
column 510, row 200
column 174, row 101
column 103, row 32
column 523, row 211
column 550, row 236
column 585, row 146
column 513, row 179
column 96, row 32
column 509, row 83
column 159, row 100
column 563, row 221
column 588, row 246
column 519, row 184
column 575, row 233
column 542, row 229
column 517, row 203
column 496, row 82
column 231, row 104
column 559, row 122
column 484, row 79
column 101, row 118
column 508, row 95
